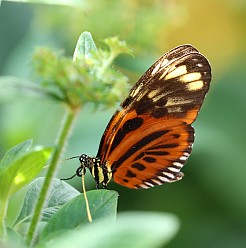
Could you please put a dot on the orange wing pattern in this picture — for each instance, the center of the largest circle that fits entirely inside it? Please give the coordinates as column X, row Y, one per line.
column 149, row 139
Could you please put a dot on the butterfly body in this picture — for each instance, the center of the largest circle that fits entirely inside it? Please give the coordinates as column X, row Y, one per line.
column 150, row 137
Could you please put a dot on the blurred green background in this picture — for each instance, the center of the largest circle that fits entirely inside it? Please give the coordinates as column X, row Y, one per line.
column 210, row 201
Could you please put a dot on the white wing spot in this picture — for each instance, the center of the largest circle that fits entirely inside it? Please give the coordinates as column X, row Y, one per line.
column 135, row 92
column 164, row 179
column 183, row 158
column 153, row 93
column 160, row 65
column 156, row 69
column 149, row 184
column 143, row 186
column 156, row 181
column 196, row 85
column 174, row 109
column 158, row 97
column 168, row 174
column 164, row 62
column 190, row 77
column 181, row 70
column 177, row 101
column 178, row 164
column 173, row 169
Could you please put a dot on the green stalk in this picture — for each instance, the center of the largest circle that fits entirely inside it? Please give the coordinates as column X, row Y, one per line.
column 62, row 138
column 3, row 211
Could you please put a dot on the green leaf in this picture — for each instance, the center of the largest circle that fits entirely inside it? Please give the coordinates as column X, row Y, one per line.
column 15, row 152
column 117, row 46
column 13, row 87
column 103, row 203
column 14, row 239
column 132, row 230
column 85, row 46
column 60, row 193
column 21, row 169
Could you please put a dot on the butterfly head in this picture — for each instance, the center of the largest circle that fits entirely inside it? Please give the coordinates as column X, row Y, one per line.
column 86, row 161
column 99, row 172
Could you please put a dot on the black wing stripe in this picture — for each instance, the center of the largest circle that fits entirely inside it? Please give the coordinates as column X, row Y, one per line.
column 139, row 145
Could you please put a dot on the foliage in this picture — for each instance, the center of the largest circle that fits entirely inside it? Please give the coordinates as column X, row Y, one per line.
column 88, row 78
column 132, row 229
column 17, row 168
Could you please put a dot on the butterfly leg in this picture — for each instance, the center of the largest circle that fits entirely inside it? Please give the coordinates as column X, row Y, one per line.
column 97, row 186
column 78, row 173
column 105, row 186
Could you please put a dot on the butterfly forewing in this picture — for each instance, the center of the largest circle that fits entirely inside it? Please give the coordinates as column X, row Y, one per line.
column 149, row 139
column 160, row 64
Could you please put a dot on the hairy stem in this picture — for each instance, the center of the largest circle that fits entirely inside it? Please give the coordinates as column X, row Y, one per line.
column 3, row 211
column 62, row 138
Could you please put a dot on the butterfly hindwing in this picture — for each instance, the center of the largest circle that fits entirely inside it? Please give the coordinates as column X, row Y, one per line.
column 149, row 139
column 155, row 157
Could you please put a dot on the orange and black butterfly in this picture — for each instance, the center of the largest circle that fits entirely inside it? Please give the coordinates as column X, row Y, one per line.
column 149, row 139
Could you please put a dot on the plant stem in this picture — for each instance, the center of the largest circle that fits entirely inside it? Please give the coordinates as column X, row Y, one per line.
column 3, row 211
column 62, row 138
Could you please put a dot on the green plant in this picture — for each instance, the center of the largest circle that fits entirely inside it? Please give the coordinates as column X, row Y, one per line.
column 53, row 213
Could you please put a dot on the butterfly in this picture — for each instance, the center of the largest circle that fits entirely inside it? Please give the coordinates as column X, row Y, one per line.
column 149, row 138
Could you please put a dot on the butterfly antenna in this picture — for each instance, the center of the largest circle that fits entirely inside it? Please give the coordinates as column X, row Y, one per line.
column 65, row 179
column 85, row 196
column 70, row 158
